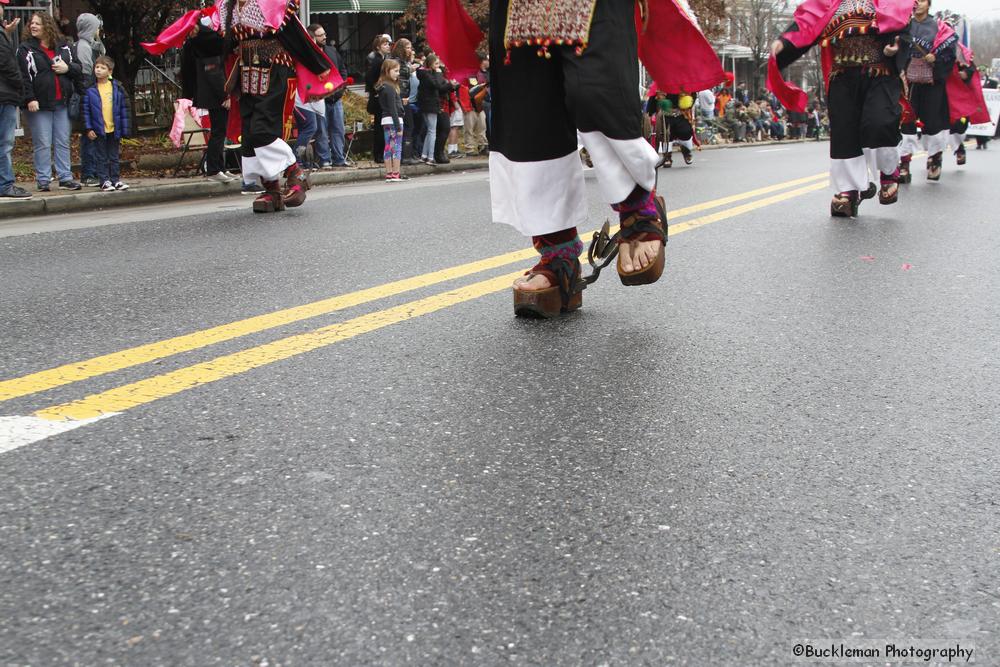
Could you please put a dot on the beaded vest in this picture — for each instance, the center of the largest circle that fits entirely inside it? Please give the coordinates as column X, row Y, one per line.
column 545, row 23
column 852, row 38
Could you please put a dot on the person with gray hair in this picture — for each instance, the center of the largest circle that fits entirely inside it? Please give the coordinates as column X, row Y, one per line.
column 88, row 48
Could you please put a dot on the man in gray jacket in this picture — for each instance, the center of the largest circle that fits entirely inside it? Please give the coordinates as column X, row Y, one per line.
column 88, row 49
column 10, row 100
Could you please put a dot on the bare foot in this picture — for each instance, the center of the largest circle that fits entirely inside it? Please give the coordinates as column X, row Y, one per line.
column 532, row 283
column 638, row 255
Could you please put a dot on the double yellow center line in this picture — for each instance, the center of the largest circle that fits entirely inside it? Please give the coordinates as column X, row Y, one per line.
column 160, row 386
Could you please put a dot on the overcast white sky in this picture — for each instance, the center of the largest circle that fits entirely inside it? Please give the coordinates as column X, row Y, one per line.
column 989, row 9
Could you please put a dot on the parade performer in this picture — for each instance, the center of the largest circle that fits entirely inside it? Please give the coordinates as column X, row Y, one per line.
column 272, row 55
column 933, row 58
column 864, row 47
column 966, row 102
column 550, row 79
column 908, row 144
column 674, row 124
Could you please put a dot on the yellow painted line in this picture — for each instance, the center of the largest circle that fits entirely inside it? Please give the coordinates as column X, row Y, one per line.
column 115, row 361
column 145, row 391
column 698, row 208
column 151, row 389
column 737, row 210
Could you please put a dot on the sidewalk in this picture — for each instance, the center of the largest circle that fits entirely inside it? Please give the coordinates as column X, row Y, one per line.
column 160, row 190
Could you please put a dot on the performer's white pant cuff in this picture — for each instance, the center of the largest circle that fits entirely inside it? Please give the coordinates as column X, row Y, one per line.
column 909, row 145
column 884, row 160
column 687, row 143
column 621, row 164
column 538, row 197
column 936, row 143
column 955, row 141
column 268, row 161
column 849, row 174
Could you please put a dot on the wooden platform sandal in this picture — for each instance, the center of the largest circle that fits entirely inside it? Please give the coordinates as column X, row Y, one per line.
column 934, row 167
column 960, row 156
column 889, row 192
column 637, row 228
column 272, row 199
column 563, row 296
column 870, row 192
column 688, row 157
column 296, row 185
column 294, row 196
column 845, row 204
column 904, row 172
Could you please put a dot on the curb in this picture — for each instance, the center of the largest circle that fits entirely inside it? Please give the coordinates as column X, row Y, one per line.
column 158, row 194
column 771, row 142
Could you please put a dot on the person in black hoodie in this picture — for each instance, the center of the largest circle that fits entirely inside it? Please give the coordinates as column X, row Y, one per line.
column 203, row 81
column 10, row 99
column 380, row 51
column 50, row 75
column 432, row 86
column 447, row 103
column 402, row 52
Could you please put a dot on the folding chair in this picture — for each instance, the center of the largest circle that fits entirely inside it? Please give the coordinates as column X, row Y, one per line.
column 193, row 137
column 358, row 127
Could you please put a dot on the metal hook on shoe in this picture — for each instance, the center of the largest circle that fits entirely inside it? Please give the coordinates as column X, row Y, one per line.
column 603, row 249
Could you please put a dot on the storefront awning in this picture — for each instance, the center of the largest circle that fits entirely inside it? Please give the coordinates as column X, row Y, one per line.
column 357, row 6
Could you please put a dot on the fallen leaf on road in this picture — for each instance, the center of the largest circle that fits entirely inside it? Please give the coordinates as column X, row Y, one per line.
column 906, row 267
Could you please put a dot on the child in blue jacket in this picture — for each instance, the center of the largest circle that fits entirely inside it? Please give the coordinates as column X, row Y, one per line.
column 106, row 119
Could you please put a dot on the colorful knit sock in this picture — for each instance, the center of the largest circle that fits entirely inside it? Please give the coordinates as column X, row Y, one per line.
column 565, row 244
column 640, row 201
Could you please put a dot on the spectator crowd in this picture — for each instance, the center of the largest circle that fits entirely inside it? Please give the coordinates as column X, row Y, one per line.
column 441, row 118
column 57, row 83
column 725, row 114
column 420, row 112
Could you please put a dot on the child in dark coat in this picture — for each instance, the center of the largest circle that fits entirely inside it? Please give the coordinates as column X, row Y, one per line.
column 106, row 120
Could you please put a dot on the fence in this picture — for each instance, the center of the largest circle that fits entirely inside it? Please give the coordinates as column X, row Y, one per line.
column 11, row 13
column 156, row 88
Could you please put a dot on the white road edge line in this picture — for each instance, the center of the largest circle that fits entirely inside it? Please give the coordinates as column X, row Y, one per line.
column 771, row 150
column 18, row 431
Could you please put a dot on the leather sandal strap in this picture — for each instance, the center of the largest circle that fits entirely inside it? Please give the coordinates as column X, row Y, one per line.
column 638, row 227
column 561, row 272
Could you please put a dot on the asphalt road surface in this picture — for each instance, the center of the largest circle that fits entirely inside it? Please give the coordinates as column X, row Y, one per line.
column 322, row 438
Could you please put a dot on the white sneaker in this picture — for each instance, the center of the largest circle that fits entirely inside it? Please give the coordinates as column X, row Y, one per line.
column 106, row 186
column 219, row 177
column 121, row 185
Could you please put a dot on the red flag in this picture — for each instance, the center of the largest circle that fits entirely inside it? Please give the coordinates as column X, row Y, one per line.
column 675, row 51
column 965, row 98
column 174, row 34
column 454, row 36
column 791, row 96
